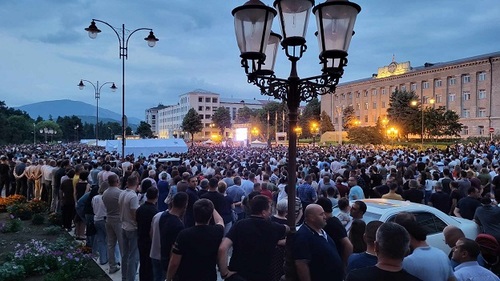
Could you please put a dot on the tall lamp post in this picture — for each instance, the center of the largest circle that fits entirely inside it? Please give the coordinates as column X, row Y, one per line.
column 422, row 126
column 123, row 48
column 97, row 95
column 259, row 46
column 340, row 112
column 314, row 131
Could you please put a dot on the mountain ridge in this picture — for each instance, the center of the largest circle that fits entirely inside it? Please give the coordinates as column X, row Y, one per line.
column 67, row 107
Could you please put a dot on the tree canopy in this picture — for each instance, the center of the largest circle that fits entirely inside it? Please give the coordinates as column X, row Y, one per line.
column 192, row 123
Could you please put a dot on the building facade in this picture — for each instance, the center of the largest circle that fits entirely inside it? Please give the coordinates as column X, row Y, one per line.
column 166, row 121
column 469, row 86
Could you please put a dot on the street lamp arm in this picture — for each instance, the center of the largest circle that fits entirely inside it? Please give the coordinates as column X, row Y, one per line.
column 115, row 31
column 134, row 31
column 83, row 80
column 100, row 87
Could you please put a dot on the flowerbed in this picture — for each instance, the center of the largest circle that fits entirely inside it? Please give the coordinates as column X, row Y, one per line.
column 10, row 200
column 60, row 260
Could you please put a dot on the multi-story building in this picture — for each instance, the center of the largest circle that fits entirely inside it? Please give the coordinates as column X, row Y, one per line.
column 469, row 86
column 166, row 121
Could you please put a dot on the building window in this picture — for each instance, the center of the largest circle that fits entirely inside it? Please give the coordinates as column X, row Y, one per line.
column 208, row 99
column 214, row 100
column 403, row 88
column 207, row 108
column 425, row 85
column 374, row 92
column 481, row 94
column 343, row 96
column 366, row 105
column 413, row 86
column 200, row 99
column 383, row 104
column 208, row 116
column 481, row 112
column 200, row 108
column 480, row 130
column 439, row 98
column 366, row 93
column 481, row 76
column 358, row 106
column 452, row 81
column 374, row 105
column 358, row 94
column 465, row 130
column 451, row 97
column 201, row 116
column 466, row 113
column 466, row 95
column 383, row 91
column 349, row 95
column 366, row 118
column 466, row 78
column 438, row 83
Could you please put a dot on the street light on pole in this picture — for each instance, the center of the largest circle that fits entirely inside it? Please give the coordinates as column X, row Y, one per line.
column 123, row 48
column 97, row 95
column 414, row 103
column 259, row 46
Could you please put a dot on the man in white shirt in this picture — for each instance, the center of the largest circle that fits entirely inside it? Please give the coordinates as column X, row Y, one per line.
column 465, row 253
column 129, row 203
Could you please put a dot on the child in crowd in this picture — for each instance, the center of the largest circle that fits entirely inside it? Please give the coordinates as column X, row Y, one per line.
column 344, row 207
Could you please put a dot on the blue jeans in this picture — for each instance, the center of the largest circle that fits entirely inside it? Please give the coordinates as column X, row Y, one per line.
column 100, row 241
column 158, row 272
column 130, row 255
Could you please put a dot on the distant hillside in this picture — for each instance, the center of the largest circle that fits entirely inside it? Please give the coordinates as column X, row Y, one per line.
column 84, row 111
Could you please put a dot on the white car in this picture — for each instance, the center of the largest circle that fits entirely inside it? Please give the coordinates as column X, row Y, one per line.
column 432, row 219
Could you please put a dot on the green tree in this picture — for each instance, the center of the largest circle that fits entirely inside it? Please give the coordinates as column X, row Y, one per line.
column 348, row 118
column 365, row 135
column 192, row 123
column 405, row 117
column 441, row 122
column 222, row 119
column 144, row 130
column 71, row 127
column 244, row 115
column 326, row 122
column 310, row 114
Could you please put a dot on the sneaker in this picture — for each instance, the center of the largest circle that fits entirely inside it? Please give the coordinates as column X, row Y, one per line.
column 113, row 269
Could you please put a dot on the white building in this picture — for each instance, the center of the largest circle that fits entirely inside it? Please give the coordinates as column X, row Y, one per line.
column 166, row 121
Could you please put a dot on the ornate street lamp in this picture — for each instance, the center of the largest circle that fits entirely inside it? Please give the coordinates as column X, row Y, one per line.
column 97, row 95
column 123, row 48
column 258, row 46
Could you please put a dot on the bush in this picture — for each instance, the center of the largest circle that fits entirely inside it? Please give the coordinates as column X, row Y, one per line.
column 12, row 225
column 37, row 206
column 20, row 210
column 12, row 272
column 38, row 219
column 10, row 200
column 55, row 219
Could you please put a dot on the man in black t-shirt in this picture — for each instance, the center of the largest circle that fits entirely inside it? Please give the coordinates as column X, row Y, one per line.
column 391, row 244
column 194, row 254
column 170, row 225
column 440, row 200
column 414, row 194
column 466, row 207
column 336, row 230
column 253, row 240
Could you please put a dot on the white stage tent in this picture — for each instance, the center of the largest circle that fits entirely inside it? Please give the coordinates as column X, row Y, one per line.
column 148, row 146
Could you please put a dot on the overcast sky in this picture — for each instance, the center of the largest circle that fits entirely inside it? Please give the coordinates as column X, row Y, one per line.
column 45, row 51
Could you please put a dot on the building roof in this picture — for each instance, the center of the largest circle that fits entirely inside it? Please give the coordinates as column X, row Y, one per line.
column 240, row 100
column 428, row 66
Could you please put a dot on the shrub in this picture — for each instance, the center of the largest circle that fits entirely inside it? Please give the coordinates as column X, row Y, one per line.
column 37, row 206
column 10, row 200
column 38, row 219
column 12, row 272
column 55, row 219
column 20, row 210
column 12, row 225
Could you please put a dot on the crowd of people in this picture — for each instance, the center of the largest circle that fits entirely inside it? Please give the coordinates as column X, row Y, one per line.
column 226, row 208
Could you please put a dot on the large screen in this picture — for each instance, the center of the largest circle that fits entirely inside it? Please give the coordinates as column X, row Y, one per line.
column 241, row 134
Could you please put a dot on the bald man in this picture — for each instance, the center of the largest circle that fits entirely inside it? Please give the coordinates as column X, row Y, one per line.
column 316, row 257
column 451, row 235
